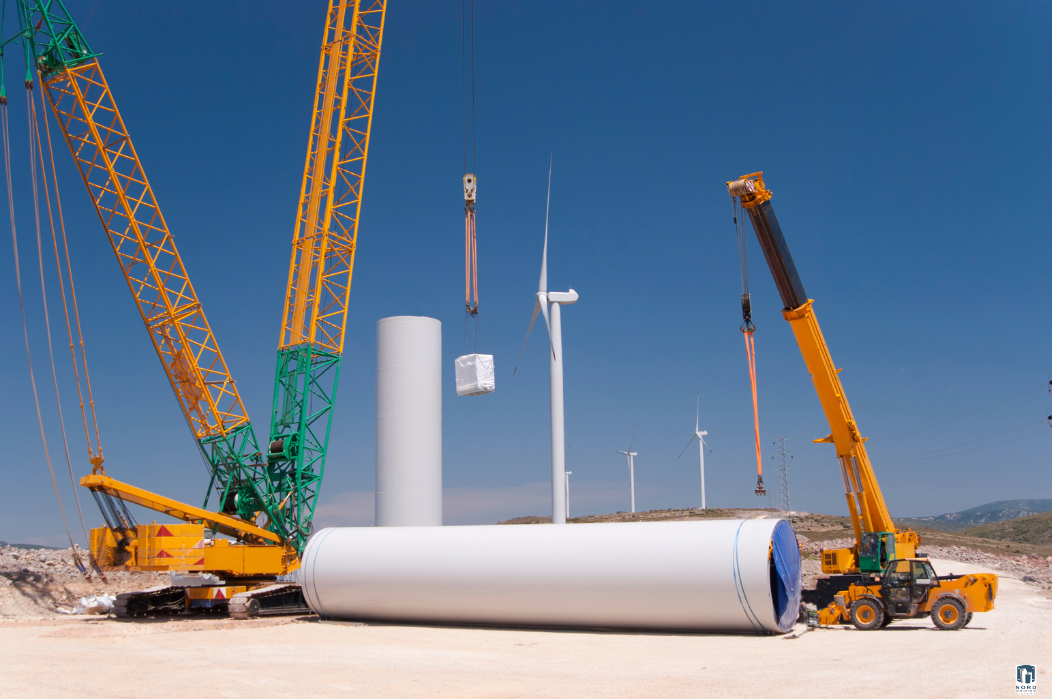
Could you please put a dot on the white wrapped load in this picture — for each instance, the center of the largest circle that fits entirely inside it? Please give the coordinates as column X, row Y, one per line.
column 475, row 375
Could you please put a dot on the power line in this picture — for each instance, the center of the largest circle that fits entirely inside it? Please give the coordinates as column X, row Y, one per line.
column 937, row 424
column 962, row 444
column 964, row 451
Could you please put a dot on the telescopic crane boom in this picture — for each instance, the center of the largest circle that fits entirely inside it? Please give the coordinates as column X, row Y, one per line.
column 877, row 540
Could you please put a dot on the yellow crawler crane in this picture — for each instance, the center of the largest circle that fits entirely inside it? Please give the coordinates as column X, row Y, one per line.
column 880, row 548
column 230, row 558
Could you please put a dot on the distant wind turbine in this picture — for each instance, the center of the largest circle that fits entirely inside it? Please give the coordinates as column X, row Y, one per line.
column 702, row 445
column 554, row 299
column 631, row 467
column 568, row 494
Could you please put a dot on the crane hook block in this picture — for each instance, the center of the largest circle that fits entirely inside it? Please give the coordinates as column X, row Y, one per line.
column 469, row 188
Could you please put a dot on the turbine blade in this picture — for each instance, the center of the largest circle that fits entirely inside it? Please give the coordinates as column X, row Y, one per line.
column 543, row 285
column 633, row 437
column 692, row 437
column 533, row 319
column 697, row 415
column 547, row 323
column 706, row 444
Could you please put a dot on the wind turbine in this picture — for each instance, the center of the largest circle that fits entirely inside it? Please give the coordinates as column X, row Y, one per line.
column 702, row 445
column 568, row 494
column 554, row 299
column 631, row 467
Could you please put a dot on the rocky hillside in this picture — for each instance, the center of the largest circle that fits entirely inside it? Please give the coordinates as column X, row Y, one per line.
column 1034, row 530
column 989, row 513
column 27, row 547
column 819, row 528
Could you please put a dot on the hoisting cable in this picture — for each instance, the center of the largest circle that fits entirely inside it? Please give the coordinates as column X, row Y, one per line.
column 95, row 456
column 34, row 155
column 96, row 461
column 21, row 307
column 471, row 282
column 747, row 329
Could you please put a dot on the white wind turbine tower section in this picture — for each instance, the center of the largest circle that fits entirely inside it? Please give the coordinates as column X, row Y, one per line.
column 699, row 434
column 631, row 467
column 553, row 321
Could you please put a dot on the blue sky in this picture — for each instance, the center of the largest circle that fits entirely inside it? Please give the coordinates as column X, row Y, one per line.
column 906, row 146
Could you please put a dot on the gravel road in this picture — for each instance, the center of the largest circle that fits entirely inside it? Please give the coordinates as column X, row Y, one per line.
column 180, row 658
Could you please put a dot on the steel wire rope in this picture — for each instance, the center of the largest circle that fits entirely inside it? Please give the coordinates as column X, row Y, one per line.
column 97, row 453
column 962, row 444
column 473, row 141
column 92, row 14
column 35, row 126
column 965, row 451
column 748, row 329
column 743, row 247
column 34, row 154
column 4, row 127
column 939, row 424
column 472, row 342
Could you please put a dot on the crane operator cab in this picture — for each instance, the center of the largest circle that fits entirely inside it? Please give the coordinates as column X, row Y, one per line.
column 875, row 549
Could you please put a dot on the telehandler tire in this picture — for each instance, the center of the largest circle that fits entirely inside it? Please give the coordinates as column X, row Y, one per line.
column 948, row 614
column 967, row 619
column 866, row 615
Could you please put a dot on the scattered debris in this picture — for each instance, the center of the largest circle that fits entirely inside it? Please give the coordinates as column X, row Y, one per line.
column 95, row 604
column 46, row 582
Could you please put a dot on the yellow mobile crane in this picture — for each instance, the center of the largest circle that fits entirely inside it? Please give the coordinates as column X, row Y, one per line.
column 857, row 574
column 265, row 501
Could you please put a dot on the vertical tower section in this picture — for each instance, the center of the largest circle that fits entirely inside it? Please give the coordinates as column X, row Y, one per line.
column 323, row 247
column 87, row 114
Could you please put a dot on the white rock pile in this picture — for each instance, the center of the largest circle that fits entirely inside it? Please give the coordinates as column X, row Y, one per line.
column 40, row 582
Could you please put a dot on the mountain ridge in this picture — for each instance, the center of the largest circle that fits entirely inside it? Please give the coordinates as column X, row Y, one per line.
column 989, row 513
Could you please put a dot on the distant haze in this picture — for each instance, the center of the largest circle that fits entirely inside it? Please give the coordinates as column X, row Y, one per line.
column 983, row 514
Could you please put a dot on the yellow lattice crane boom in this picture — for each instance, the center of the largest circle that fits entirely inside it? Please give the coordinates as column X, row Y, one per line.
column 314, row 320
column 125, row 202
column 266, row 501
column 87, row 114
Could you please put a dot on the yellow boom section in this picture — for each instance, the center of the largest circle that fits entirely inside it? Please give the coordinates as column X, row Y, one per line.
column 231, row 526
column 323, row 243
column 850, row 448
column 110, row 167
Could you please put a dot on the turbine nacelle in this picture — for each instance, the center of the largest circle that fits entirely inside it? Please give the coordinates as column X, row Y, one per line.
column 563, row 298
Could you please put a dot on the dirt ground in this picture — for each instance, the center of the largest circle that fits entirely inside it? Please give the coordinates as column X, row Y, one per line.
column 180, row 658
